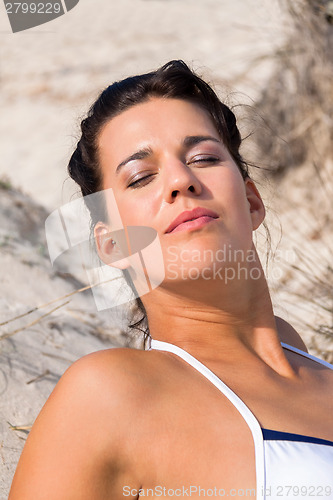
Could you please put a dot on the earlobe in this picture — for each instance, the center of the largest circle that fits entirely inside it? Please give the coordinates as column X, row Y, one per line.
column 257, row 208
column 108, row 251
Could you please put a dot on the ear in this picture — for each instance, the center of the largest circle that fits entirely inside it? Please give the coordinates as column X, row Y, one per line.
column 107, row 248
column 257, row 208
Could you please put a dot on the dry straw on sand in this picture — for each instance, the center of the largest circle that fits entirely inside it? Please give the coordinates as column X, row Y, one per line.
column 297, row 104
column 296, row 143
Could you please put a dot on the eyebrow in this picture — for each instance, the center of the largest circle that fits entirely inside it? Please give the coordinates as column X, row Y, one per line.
column 192, row 140
column 188, row 142
column 138, row 155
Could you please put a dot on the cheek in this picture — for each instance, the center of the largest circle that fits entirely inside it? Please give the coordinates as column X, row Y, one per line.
column 141, row 206
column 230, row 193
column 130, row 208
column 228, row 188
column 135, row 211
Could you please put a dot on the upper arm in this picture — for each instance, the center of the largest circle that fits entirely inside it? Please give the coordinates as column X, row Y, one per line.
column 74, row 450
column 289, row 335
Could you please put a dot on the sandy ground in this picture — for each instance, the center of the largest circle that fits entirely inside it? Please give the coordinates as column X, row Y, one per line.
column 49, row 75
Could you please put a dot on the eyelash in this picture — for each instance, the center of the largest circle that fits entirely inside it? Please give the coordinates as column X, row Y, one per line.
column 143, row 180
column 138, row 182
column 209, row 159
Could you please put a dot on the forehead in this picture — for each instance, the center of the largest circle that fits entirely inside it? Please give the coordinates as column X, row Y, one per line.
column 155, row 123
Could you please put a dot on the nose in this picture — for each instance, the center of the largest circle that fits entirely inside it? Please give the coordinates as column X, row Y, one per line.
column 179, row 180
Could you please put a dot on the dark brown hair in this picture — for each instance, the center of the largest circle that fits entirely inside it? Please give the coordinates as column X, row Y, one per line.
column 173, row 80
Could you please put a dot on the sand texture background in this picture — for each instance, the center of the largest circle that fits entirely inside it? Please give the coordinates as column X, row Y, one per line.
column 49, row 76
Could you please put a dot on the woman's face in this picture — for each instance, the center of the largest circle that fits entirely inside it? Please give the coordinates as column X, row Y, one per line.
column 164, row 157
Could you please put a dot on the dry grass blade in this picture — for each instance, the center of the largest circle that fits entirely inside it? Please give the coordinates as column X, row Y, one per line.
column 39, row 377
column 10, row 334
column 19, row 427
column 55, row 356
column 83, row 289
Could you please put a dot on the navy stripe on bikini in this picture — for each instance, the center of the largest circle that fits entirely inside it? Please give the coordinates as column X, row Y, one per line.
column 270, row 435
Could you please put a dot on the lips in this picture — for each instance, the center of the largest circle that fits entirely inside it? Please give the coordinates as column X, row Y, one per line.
column 191, row 215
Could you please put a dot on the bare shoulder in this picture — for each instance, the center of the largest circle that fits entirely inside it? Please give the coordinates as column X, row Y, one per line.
column 104, row 383
column 116, row 369
column 289, row 335
column 104, row 380
column 82, row 433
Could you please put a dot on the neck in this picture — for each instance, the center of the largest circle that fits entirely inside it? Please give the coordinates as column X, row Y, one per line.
column 215, row 321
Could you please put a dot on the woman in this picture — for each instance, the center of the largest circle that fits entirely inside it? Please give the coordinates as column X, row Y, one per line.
column 160, row 421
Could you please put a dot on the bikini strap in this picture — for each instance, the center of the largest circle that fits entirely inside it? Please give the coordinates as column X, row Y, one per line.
column 245, row 412
column 307, row 355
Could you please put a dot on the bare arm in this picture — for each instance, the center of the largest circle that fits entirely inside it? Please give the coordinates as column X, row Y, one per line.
column 75, row 450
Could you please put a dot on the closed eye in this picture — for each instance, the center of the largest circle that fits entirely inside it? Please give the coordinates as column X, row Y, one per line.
column 141, row 182
column 203, row 159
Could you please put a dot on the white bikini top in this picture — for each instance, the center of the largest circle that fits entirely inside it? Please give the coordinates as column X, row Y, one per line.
column 288, row 466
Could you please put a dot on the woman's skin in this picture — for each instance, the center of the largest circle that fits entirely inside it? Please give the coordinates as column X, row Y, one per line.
column 124, row 419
